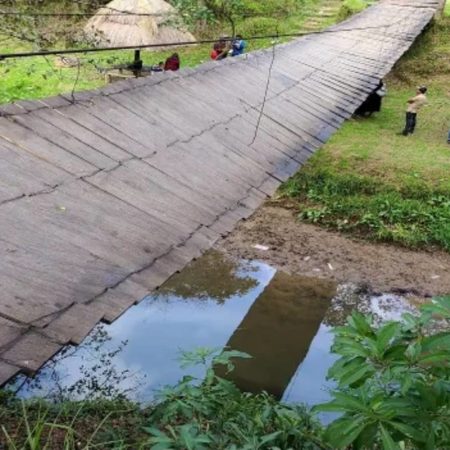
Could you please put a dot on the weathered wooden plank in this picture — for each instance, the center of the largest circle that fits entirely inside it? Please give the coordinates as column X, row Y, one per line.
column 73, row 325
column 42, row 149
column 7, row 371
column 9, row 332
column 154, row 199
column 59, row 137
column 30, row 351
column 106, row 131
column 105, row 147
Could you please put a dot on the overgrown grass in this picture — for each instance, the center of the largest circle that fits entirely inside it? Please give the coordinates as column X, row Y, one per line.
column 195, row 414
column 377, row 184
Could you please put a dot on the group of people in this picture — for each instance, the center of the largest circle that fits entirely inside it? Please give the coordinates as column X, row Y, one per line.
column 373, row 104
column 228, row 47
column 222, row 49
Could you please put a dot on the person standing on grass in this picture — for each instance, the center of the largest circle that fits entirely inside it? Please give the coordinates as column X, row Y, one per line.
column 414, row 105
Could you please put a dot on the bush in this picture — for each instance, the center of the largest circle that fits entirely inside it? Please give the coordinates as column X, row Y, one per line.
column 393, row 382
column 414, row 215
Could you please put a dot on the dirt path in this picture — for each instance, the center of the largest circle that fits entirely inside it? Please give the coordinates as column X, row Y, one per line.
column 296, row 247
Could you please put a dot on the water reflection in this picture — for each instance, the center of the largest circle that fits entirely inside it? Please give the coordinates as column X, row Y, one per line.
column 143, row 346
column 283, row 321
column 278, row 330
column 213, row 277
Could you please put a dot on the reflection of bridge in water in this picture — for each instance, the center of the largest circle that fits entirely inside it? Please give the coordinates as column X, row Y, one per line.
column 277, row 332
column 102, row 200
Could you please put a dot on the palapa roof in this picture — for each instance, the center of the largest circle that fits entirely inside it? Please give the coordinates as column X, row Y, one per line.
column 111, row 27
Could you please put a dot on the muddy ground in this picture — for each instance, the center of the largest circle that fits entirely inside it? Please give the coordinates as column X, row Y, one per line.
column 308, row 250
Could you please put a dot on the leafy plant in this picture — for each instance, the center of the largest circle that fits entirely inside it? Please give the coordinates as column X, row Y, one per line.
column 393, row 382
column 215, row 414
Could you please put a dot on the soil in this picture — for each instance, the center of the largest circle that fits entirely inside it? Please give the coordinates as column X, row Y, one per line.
column 300, row 248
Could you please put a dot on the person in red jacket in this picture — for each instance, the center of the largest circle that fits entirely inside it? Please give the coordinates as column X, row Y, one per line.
column 220, row 50
column 172, row 63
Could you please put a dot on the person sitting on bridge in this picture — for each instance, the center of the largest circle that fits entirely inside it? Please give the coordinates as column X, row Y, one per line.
column 414, row 105
column 373, row 102
column 172, row 63
column 238, row 46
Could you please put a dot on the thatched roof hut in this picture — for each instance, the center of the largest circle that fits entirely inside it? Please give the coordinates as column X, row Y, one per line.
column 112, row 26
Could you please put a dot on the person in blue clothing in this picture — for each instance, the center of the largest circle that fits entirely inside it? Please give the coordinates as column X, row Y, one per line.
column 238, row 46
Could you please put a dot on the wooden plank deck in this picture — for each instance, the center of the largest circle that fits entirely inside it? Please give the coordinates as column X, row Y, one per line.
column 103, row 199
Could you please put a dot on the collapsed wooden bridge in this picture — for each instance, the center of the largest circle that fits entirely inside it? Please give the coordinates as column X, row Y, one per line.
column 105, row 195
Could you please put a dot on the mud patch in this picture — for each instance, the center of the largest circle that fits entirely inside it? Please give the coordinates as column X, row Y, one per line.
column 304, row 249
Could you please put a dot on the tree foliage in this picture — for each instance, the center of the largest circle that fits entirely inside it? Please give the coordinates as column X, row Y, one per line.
column 209, row 11
column 44, row 31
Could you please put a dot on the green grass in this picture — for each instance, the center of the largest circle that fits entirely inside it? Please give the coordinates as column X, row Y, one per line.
column 376, row 184
column 209, row 413
column 37, row 77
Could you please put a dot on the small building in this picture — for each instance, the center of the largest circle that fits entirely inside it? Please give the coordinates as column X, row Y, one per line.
column 136, row 22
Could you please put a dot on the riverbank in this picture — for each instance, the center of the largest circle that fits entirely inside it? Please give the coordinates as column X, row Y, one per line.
column 310, row 250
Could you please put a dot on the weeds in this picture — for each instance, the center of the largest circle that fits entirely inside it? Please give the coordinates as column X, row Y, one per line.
column 413, row 216
column 210, row 413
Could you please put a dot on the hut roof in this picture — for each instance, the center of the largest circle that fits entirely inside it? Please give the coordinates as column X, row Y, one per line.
column 111, row 27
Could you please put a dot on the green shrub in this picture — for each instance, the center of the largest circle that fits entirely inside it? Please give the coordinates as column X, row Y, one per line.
column 414, row 215
column 393, row 382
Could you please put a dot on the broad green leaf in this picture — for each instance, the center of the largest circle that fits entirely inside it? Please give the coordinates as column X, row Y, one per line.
column 361, row 323
column 413, row 351
column 349, row 347
column 409, row 431
column 436, row 342
column 330, row 407
column 395, row 353
column 342, row 432
column 365, row 371
column 385, row 334
column 386, row 439
column 367, row 437
column 270, row 437
column 441, row 359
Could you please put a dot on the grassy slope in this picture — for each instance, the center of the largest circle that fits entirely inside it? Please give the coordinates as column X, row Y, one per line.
column 370, row 181
column 38, row 77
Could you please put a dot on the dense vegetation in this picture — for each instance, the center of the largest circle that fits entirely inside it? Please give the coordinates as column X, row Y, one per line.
column 377, row 184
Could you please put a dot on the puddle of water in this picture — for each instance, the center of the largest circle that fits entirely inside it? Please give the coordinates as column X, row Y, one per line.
column 213, row 303
column 283, row 321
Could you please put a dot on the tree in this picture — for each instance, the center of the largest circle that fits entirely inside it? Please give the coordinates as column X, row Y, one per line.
column 42, row 31
column 194, row 11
